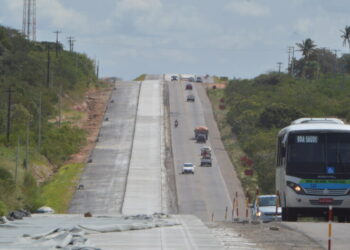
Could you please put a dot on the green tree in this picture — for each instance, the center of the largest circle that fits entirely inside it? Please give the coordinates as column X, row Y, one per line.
column 346, row 36
column 306, row 47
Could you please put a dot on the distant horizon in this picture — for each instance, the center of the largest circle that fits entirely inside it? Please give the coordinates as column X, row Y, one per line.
column 236, row 38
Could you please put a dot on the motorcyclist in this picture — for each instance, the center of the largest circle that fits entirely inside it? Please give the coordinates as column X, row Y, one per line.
column 176, row 123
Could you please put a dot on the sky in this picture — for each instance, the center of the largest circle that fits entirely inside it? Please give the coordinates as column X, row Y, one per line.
column 234, row 38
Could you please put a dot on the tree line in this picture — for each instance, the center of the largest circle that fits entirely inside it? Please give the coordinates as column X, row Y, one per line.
column 318, row 86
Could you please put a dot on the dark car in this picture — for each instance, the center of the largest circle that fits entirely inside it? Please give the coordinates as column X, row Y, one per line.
column 199, row 79
column 174, row 78
column 206, row 161
column 201, row 138
column 190, row 98
column 189, row 86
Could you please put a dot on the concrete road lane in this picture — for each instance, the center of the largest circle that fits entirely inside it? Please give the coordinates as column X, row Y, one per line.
column 189, row 233
column 104, row 178
column 205, row 193
column 144, row 190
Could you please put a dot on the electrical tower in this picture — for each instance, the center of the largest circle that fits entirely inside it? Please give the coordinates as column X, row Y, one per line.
column 29, row 19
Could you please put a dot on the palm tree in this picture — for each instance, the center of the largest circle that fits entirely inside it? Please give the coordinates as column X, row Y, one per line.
column 346, row 36
column 307, row 47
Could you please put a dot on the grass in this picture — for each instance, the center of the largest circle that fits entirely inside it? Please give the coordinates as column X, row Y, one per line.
column 140, row 78
column 58, row 193
column 230, row 142
column 220, row 79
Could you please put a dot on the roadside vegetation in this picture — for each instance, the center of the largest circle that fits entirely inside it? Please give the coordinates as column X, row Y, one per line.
column 229, row 139
column 140, row 77
column 316, row 85
column 37, row 135
column 58, row 192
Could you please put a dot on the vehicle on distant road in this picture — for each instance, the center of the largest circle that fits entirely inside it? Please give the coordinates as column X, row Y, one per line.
column 264, row 209
column 199, row 79
column 313, row 168
column 188, row 168
column 201, row 134
column 190, row 98
column 189, row 86
column 174, row 78
column 206, row 161
column 205, row 151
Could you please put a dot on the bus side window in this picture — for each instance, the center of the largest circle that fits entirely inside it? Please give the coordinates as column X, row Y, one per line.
column 281, row 151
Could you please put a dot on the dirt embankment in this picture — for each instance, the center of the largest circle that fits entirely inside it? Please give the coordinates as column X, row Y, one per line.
column 91, row 112
column 94, row 105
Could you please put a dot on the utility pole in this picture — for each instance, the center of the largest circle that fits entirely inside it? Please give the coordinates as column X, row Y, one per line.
column 279, row 67
column 335, row 67
column 97, row 69
column 71, row 43
column 27, row 148
column 39, row 124
column 291, row 60
column 48, row 66
column 57, row 32
column 17, row 159
column 60, row 106
column 9, row 103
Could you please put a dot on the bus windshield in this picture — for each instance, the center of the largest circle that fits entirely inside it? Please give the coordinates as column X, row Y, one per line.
column 318, row 153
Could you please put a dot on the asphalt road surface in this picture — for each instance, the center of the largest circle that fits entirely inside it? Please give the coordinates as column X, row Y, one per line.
column 209, row 191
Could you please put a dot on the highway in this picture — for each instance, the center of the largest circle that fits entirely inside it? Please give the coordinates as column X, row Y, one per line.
column 205, row 194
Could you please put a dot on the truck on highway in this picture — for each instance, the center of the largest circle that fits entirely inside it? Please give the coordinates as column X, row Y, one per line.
column 313, row 168
column 201, row 134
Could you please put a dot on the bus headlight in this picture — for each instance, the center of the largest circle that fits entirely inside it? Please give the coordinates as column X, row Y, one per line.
column 296, row 188
column 258, row 214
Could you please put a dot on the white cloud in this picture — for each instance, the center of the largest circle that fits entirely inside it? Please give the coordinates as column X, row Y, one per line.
column 56, row 15
column 248, row 8
column 143, row 5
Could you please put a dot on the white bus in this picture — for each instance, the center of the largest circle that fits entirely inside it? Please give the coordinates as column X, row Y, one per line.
column 313, row 168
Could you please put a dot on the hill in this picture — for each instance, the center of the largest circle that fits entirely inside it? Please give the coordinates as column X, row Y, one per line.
column 37, row 132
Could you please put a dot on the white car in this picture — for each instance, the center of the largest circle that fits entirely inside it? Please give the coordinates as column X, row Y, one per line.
column 264, row 209
column 188, row 168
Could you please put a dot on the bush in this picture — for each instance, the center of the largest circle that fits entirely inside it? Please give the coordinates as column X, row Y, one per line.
column 31, row 193
column 278, row 116
column 269, row 79
column 60, row 143
column 3, row 209
column 5, row 174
